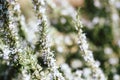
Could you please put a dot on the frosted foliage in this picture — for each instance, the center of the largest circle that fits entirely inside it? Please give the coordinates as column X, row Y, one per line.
column 26, row 47
column 86, row 53
column 47, row 55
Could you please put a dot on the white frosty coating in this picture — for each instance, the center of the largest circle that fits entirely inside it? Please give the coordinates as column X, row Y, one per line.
column 39, row 6
column 78, row 75
column 86, row 72
column 67, row 72
column 5, row 50
column 25, row 75
column 12, row 31
column 87, row 54
column 13, row 21
column 6, row 53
